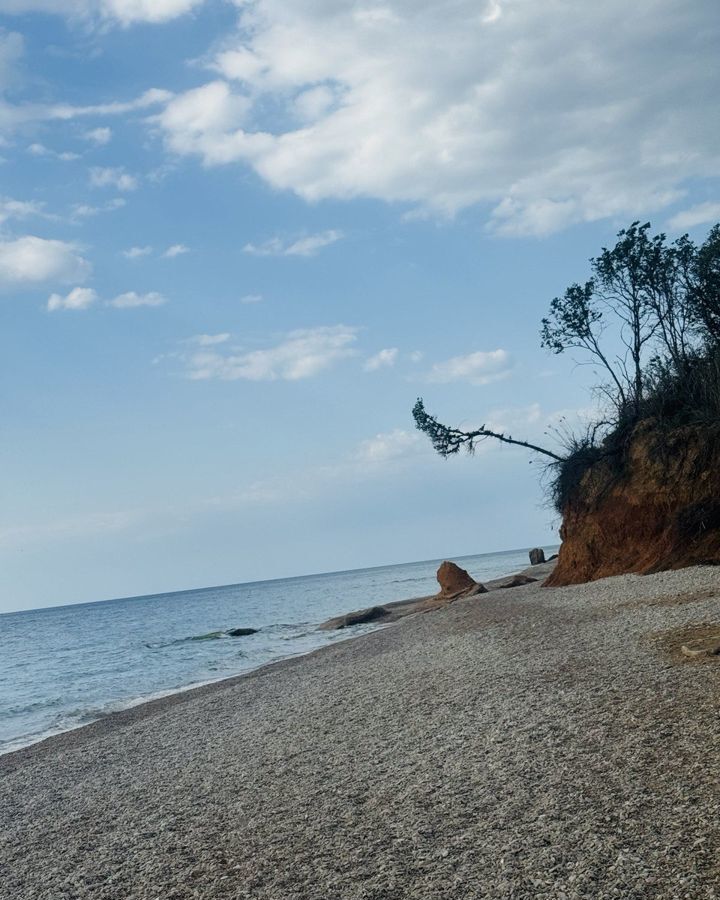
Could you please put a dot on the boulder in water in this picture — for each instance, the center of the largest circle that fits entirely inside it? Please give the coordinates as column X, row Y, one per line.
column 242, row 632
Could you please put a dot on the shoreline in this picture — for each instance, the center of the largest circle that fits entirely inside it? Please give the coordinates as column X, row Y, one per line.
column 133, row 703
column 525, row 743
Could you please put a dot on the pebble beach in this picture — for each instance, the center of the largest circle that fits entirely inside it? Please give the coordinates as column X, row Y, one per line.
column 525, row 743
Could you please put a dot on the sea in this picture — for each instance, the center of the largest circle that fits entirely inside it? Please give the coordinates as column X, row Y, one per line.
column 66, row 666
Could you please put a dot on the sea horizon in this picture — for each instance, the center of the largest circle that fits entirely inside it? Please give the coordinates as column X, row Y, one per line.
column 232, row 584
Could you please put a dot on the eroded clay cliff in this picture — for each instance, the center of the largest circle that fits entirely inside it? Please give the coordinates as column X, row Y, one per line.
column 657, row 507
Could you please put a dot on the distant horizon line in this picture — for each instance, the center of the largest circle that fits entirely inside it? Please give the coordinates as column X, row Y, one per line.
column 216, row 587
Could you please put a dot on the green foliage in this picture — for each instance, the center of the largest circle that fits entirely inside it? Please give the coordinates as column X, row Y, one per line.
column 660, row 304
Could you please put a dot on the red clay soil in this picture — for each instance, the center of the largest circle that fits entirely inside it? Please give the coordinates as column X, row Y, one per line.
column 661, row 512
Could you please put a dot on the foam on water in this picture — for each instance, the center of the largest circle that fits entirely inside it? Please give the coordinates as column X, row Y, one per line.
column 63, row 667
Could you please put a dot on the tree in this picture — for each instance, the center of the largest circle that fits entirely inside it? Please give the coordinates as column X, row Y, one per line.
column 648, row 308
column 701, row 279
column 448, row 441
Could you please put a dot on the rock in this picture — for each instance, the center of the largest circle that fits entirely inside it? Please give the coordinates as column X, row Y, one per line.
column 454, row 581
column 372, row 614
column 242, row 632
column 537, row 556
column 517, row 581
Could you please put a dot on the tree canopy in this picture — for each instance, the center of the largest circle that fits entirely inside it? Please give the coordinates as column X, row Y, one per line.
column 648, row 318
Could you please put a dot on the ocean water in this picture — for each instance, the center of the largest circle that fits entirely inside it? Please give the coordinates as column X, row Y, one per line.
column 63, row 667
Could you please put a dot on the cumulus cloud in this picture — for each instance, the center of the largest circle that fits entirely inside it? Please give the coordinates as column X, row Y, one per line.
column 304, row 246
column 78, row 298
column 303, row 354
column 481, row 367
column 32, row 260
column 701, row 214
column 99, row 136
column 112, row 177
column 137, row 252
column 131, row 299
column 204, row 121
column 175, row 250
column 124, row 12
column 18, row 209
column 547, row 114
column 383, row 359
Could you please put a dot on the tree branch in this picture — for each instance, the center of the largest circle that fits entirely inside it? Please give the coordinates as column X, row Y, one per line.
column 448, row 441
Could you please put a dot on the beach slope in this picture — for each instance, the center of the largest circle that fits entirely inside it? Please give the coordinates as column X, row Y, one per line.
column 526, row 743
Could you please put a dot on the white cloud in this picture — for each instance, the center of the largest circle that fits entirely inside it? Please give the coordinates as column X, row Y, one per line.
column 137, row 252
column 251, row 298
column 66, row 112
column 99, row 136
column 176, row 250
column 546, row 113
column 132, row 299
column 701, row 214
column 209, row 340
column 390, row 446
column 383, row 359
column 129, row 11
column 124, row 12
column 303, row 354
column 42, row 150
column 13, row 116
column 33, row 260
column 18, row 209
column 304, row 246
column 481, row 367
column 78, row 298
column 84, row 210
column 203, row 120
column 113, row 177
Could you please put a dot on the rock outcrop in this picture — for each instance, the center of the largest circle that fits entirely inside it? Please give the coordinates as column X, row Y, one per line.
column 537, row 556
column 362, row 616
column 657, row 508
column 455, row 582
column 518, row 581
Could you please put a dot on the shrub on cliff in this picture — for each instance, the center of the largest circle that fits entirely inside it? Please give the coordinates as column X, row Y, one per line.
column 649, row 319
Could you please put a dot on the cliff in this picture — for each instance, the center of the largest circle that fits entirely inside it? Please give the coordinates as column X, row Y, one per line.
column 654, row 507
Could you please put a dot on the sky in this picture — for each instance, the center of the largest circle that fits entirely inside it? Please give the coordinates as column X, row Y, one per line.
column 239, row 239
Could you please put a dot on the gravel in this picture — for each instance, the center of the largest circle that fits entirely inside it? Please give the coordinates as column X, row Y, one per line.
column 527, row 743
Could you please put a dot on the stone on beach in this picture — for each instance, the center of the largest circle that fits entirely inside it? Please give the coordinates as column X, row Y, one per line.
column 537, row 556
column 538, row 743
column 362, row 616
column 454, row 581
column 517, row 581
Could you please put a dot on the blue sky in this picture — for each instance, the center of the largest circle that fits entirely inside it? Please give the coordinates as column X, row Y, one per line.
column 237, row 240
